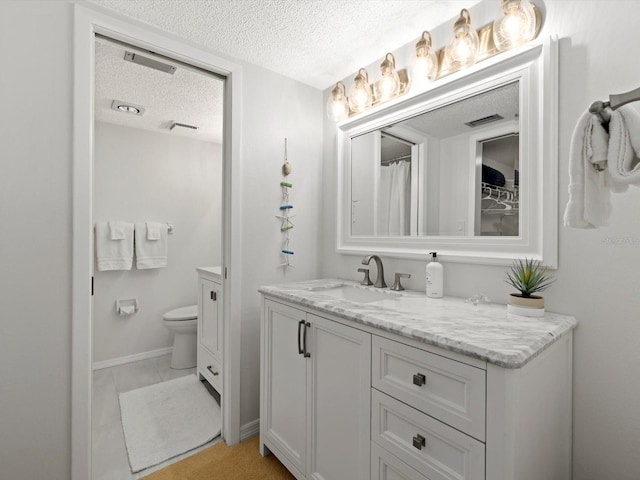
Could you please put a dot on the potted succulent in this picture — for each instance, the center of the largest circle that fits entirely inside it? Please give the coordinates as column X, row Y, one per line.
column 528, row 277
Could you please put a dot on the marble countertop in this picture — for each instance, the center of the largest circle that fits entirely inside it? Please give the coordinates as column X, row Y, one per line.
column 487, row 332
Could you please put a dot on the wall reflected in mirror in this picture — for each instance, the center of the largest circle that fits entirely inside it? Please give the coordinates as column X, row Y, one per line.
column 497, row 200
column 450, row 171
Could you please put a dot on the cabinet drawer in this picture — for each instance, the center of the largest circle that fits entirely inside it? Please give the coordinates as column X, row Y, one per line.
column 385, row 466
column 210, row 368
column 434, row 449
column 446, row 389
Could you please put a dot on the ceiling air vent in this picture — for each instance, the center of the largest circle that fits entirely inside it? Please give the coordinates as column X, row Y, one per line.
column 182, row 125
column 149, row 62
column 484, row 120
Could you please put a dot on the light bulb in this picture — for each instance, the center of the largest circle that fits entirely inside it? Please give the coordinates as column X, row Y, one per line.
column 516, row 24
column 337, row 106
column 425, row 67
column 360, row 95
column 463, row 48
column 389, row 84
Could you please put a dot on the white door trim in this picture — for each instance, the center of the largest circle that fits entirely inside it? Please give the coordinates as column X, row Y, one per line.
column 88, row 21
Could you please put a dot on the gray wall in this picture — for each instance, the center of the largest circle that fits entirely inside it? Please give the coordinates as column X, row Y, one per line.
column 597, row 275
column 36, row 213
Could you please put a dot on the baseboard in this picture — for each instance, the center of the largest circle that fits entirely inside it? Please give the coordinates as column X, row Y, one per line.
column 132, row 358
column 249, row 430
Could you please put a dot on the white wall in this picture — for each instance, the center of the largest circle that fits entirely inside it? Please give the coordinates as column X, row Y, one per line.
column 454, row 190
column 36, row 211
column 365, row 151
column 35, row 243
column 597, row 279
column 141, row 175
column 274, row 108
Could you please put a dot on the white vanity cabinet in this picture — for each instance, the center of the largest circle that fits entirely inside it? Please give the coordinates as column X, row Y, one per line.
column 210, row 326
column 428, row 411
column 439, row 415
column 494, row 402
column 315, row 394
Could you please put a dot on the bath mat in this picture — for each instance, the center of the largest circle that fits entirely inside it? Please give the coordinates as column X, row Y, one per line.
column 167, row 419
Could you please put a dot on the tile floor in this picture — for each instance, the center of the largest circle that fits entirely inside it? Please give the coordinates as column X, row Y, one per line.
column 109, row 454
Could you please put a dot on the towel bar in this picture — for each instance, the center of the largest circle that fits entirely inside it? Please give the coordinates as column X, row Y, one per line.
column 615, row 101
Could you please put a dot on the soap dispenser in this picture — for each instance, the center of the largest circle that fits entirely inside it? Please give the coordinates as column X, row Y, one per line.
column 434, row 277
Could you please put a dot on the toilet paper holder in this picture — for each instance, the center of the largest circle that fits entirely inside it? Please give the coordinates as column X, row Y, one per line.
column 127, row 307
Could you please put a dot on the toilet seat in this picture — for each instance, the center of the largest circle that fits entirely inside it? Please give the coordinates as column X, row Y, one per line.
column 182, row 313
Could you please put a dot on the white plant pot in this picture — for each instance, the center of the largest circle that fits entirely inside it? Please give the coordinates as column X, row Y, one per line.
column 526, row 306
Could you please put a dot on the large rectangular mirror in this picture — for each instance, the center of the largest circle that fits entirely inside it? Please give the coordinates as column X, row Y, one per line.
column 467, row 168
column 413, row 178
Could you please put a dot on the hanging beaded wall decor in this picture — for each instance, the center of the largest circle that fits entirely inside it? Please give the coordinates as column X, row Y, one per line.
column 285, row 216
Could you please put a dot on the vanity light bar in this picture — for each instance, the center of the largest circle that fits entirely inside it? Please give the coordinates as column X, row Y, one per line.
column 518, row 22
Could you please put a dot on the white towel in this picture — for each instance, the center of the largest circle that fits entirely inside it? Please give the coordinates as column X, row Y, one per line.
column 117, row 229
column 113, row 254
column 150, row 253
column 624, row 146
column 154, row 229
column 589, row 203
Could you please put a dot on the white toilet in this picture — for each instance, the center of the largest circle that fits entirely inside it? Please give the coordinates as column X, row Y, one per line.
column 183, row 322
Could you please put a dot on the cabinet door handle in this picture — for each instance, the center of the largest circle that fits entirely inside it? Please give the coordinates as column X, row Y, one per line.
column 419, row 379
column 304, row 340
column 419, row 441
column 214, row 372
column 214, row 296
column 300, row 325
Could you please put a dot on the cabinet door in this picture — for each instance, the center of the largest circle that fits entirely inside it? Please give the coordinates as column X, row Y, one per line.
column 211, row 317
column 339, row 387
column 284, row 401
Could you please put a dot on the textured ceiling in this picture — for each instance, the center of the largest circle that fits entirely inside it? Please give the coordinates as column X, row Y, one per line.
column 450, row 120
column 188, row 96
column 316, row 42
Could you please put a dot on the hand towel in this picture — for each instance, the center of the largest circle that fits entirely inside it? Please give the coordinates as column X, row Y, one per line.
column 150, row 253
column 624, row 146
column 154, row 229
column 116, row 229
column 113, row 254
column 589, row 204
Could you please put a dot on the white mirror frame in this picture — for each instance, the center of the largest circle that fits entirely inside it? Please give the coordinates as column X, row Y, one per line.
column 535, row 67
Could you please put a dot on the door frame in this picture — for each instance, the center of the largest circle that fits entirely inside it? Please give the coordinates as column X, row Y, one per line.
column 89, row 21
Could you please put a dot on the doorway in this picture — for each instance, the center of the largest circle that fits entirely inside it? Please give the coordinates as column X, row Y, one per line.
column 158, row 158
column 87, row 23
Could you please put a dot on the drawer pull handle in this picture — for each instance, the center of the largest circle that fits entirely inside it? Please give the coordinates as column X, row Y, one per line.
column 419, row 379
column 419, row 441
column 214, row 372
column 214, row 296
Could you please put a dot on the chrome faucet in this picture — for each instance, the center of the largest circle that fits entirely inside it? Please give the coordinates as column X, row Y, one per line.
column 380, row 283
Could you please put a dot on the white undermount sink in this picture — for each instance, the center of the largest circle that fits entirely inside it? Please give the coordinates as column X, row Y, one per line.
column 358, row 294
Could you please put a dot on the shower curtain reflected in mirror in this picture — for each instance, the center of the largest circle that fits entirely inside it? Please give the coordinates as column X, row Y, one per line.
column 394, row 201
